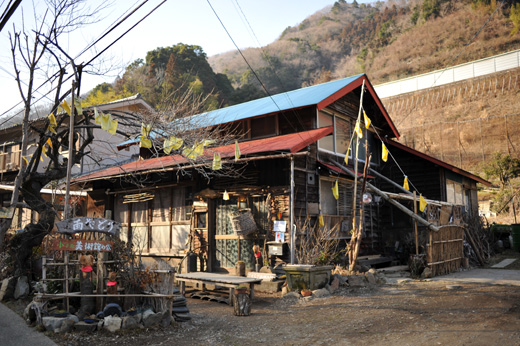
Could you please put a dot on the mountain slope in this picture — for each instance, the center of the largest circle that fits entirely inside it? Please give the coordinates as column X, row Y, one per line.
column 387, row 42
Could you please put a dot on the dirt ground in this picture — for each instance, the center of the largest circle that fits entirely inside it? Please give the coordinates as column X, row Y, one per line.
column 413, row 313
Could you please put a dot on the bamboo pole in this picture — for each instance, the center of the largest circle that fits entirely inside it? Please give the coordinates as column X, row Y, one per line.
column 395, row 203
column 415, row 223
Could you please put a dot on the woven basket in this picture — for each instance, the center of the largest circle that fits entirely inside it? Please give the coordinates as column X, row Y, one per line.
column 243, row 223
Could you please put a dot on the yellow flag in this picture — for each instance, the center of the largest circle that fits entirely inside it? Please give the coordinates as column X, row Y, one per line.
column 358, row 130
column 77, row 103
column 217, row 162
column 65, row 106
column 405, row 184
column 367, row 120
column 52, row 129
column 26, row 161
column 49, row 142
column 194, row 152
column 106, row 121
column 347, row 155
column 97, row 116
column 173, row 143
column 52, row 120
column 422, row 203
column 237, row 151
column 44, row 151
column 145, row 130
column 321, row 223
column 384, row 152
column 113, row 127
column 207, row 142
column 145, row 142
column 335, row 190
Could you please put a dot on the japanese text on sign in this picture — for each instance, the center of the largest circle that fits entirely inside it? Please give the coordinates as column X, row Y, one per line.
column 81, row 245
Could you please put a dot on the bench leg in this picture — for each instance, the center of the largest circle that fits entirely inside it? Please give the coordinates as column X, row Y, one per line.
column 183, row 288
column 251, row 291
column 231, row 293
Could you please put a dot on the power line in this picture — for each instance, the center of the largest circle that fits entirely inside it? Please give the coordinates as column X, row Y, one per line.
column 126, row 32
column 90, row 61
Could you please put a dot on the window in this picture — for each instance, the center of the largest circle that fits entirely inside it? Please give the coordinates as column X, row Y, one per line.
column 329, row 205
column 327, row 142
column 263, row 127
column 341, row 206
column 160, row 224
column 339, row 141
column 454, row 192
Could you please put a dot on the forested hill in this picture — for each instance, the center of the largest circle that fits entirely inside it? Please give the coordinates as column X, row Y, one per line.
column 388, row 40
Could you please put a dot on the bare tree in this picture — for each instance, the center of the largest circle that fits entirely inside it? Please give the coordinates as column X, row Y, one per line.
column 35, row 53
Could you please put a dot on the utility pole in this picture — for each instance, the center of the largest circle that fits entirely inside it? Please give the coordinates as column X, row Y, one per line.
column 66, row 211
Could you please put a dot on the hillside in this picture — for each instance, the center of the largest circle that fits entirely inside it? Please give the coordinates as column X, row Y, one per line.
column 388, row 41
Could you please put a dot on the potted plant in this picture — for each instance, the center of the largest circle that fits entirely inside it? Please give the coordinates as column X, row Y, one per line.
column 316, row 250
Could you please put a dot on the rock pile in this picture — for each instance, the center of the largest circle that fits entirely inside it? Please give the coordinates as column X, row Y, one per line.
column 112, row 318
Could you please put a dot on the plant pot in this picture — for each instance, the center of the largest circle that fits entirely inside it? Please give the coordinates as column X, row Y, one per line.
column 306, row 293
column 307, row 276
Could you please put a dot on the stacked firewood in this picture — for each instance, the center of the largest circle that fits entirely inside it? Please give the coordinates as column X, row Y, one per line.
column 480, row 240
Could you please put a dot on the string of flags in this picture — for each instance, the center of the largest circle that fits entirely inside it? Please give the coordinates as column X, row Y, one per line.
column 384, row 156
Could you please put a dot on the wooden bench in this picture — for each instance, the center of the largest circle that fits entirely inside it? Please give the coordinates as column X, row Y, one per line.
column 203, row 278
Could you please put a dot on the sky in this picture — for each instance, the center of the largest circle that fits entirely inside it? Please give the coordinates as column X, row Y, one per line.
column 175, row 21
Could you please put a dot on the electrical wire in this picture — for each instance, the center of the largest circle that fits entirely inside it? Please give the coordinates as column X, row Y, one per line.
column 90, row 61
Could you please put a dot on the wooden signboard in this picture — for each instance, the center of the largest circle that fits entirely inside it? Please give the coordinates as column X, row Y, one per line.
column 89, row 224
column 81, row 245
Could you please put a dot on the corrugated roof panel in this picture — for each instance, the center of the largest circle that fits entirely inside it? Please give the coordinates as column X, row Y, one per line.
column 289, row 100
column 293, row 142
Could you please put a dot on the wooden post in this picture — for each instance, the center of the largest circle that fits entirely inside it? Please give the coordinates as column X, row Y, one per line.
column 44, row 273
column 415, row 223
column 241, row 304
column 66, row 254
column 100, row 278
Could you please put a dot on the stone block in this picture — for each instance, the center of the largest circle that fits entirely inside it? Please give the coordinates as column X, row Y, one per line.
column 371, row 278
column 427, row 273
column 66, row 325
column 321, row 293
column 357, row 281
column 334, row 285
column 269, row 286
column 112, row 323
column 52, row 324
column 7, row 289
column 22, row 287
column 166, row 319
column 85, row 327
column 151, row 319
column 130, row 322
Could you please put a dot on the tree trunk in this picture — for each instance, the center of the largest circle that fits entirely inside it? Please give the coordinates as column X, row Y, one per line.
column 241, row 304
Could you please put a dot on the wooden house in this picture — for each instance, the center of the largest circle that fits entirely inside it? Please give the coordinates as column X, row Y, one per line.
column 102, row 154
column 293, row 148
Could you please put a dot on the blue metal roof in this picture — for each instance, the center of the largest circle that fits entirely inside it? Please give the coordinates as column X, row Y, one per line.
column 280, row 102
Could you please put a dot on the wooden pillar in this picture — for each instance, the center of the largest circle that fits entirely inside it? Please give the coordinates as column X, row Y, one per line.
column 415, row 223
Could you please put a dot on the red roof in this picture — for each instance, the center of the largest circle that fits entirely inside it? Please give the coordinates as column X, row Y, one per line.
column 438, row 162
column 293, row 143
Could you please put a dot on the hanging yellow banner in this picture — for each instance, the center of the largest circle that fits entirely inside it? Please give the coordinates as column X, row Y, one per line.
column 384, row 152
